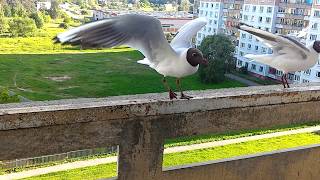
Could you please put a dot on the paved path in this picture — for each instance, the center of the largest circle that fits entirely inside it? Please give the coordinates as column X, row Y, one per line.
column 94, row 162
column 242, row 80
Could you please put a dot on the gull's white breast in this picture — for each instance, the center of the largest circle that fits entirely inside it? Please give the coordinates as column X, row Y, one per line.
column 176, row 66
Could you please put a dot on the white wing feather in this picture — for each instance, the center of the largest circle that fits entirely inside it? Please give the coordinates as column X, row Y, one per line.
column 187, row 32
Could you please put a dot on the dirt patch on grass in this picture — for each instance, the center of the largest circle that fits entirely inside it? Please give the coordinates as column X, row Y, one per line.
column 59, row 78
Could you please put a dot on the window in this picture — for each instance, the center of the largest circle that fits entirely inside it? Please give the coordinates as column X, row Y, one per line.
column 260, row 19
column 308, row 72
column 245, row 17
column 246, row 65
column 212, row 5
column 252, row 18
column 241, row 53
column 215, row 22
column 199, row 35
column 260, row 69
column 243, row 36
column 269, row 9
column 313, row 37
column 239, row 63
column 268, row 20
column 217, row 6
column 261, row 9
column 249, row 46
column 216, row 14
column 279, row 73
column 209, row 29
column 296, row 78
column 246, row 7
column 318, row 74
column 305, row 81
column 256, row 48
column 254, row 8
column 207, row 4
column 264, row 50
column 314, row 26
column 211, row 13
column 250, row 37
column 210, row 21
column 253, row 67
column 242, row 45
column 316, row 13
column 267, row 29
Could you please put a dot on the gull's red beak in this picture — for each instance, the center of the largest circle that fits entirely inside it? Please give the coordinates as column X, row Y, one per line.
column 205, row 62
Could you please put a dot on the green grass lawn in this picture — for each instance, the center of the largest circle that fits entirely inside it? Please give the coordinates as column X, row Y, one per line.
column 40, row 70
column 86, row 75
column 228, row 151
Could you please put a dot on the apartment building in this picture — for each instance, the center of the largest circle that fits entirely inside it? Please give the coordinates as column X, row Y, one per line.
column 313, row 74
column 260, row 14
column 275, row 16
column 222, row 15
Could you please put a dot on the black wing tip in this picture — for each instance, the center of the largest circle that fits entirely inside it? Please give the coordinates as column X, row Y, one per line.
column 56, row 40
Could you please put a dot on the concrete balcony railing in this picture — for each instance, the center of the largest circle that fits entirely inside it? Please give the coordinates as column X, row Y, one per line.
column 139, row 125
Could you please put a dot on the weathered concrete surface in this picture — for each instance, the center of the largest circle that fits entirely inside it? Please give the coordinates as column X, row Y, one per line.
column 296, row 163
column 139, row 124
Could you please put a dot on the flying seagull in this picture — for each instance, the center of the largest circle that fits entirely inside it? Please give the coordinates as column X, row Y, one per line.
column 145, row 34
column 288, row 55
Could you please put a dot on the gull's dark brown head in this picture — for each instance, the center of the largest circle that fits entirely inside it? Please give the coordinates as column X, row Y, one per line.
column 195, row 57
column 316, row 46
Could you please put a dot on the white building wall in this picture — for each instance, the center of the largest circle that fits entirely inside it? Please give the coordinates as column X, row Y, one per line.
column 213, row 11
column 258, row 16
column 313, row 74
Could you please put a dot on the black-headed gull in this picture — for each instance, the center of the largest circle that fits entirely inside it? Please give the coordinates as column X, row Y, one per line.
column 288, row 55
column 145, row 34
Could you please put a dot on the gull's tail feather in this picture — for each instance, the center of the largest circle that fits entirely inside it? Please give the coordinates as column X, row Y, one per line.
column 262, row 58
column 146, row 61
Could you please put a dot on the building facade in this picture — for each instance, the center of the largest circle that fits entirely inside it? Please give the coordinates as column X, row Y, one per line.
column 222, row 17
column 276, row 16
column 313, row 74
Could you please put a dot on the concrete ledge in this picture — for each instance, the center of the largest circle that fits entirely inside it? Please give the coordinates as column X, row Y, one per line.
column 139, row 124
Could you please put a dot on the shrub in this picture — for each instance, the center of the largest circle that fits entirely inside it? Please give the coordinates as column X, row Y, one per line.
column 5, row 97
column 22, row 27
column 38, row 19
column 46, row 18
column 3, row 25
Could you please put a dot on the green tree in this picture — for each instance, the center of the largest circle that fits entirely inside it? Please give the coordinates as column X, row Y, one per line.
column 54, row 11
column 7, row 11
column 219, row 50
column 38, row 19
column 3, row 25
column 184, row 6
column 22, row 27
column 46, row 18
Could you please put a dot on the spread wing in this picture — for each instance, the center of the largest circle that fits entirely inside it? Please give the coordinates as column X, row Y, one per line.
column 137, row 31
column 280, row 44
column 187, row 32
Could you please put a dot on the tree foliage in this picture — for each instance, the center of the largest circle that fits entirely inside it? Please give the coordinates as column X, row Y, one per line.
column 3, row 25
column 219, row 50
column 54, row 10
column 38, row 19
column 184, row 6
column 22, row 27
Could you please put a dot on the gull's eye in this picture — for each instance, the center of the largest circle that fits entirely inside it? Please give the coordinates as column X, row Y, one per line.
column 194, row 54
